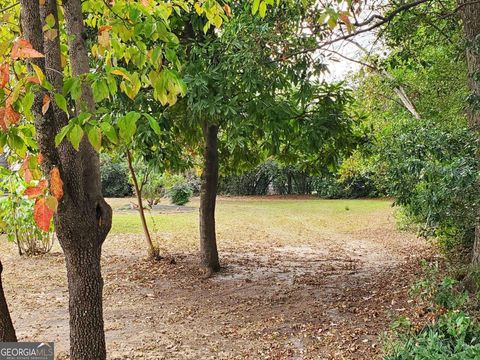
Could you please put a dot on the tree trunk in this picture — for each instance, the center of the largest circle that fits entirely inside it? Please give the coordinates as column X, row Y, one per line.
column 208, row 194
column 83, row 219
column 470, row 13
column 7, row 331
column 151, row 251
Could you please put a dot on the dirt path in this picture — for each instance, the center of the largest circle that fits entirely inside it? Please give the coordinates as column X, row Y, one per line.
column 327, row 299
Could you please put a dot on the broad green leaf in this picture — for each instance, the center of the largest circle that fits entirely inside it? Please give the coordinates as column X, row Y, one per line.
column 75, row 136
column 61, row 102
column 109, row 132
column 94, row 135
column 256, row 4
column 263, row 9
column 128, row 125
column 61, row 135
column 153, row 124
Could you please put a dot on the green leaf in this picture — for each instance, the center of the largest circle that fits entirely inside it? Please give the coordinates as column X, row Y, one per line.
column 255, row 6
column 263, row 9
column 100, row 90
column 61, row 102
column 153, row 124
column 76, row 89
column 50, row 21
column 27, row 102
column 94, row 135
column 75, row 135
column 61, row 135
column 109, row 132
column 128, row 125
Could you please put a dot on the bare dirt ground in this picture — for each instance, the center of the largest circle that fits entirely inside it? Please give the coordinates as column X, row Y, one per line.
column 319, row 293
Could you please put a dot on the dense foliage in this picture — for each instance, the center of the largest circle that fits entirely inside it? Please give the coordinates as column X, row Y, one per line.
column 115, row 182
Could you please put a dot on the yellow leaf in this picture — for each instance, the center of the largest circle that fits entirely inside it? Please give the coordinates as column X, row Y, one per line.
column 39, row 73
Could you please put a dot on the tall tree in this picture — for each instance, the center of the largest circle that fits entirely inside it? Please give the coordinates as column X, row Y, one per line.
column 242, row 94
column 83, row 219
column 470, row 13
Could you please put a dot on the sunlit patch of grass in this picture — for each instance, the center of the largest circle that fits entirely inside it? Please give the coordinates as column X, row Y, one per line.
column 259, row 222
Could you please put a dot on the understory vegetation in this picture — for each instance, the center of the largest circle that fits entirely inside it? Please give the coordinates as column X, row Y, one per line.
column 164, row 105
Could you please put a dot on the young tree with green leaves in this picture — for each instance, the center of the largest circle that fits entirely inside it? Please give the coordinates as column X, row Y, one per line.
column 244, row 98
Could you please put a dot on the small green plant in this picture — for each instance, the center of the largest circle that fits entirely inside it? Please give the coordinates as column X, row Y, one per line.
column 16, row 219
column 452, row 334
column 180, row 193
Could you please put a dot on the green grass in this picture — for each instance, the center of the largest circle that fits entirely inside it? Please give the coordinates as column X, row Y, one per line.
column 254, row 220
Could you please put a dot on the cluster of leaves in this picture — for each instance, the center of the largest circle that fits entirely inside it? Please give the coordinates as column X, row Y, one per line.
column 17, row 217
column 451, row 333
column 432, row 172
column 114, row 176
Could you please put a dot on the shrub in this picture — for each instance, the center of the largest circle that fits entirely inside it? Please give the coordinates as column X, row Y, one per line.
column 180, row 193
column 431, row 170
column 115, row 180
column 453, row 334
column 16, row 219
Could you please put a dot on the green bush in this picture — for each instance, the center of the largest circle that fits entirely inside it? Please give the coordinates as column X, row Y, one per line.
column 453, row 334
column 431, row 170
column 180, row 193
column 114, row 175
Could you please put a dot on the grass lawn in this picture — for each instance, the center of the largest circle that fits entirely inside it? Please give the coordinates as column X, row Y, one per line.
column 279, row 220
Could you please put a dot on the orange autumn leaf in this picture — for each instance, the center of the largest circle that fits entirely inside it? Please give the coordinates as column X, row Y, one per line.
column 42, row 214
column 46, row 104
column 12, row 115
column 8, row 117
column 228, row 10
column 23, row 49
column 33, row 80
column 3, row 124
column 104, row 28
column 56, row 183
column 39, row 158
column 36, row 191
column 4, row 75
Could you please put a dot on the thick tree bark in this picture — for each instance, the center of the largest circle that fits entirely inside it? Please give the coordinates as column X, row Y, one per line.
column 208, row 195
column 84, row 218
column 7, row 331
column 470, row 12
column 151, row 251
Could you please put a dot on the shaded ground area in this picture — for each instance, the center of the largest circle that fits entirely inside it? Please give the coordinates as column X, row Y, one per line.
column 302, row 279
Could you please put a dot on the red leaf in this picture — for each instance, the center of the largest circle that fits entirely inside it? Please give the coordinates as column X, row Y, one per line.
column 42, row 214
column 33, row 80
column 12, row 115
column 8, row 116
column 36, row 191
column 23, row 49
column 4, row 75
column 3, row 124
column 56, row 183
column 46, row 104
column 28, row 175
